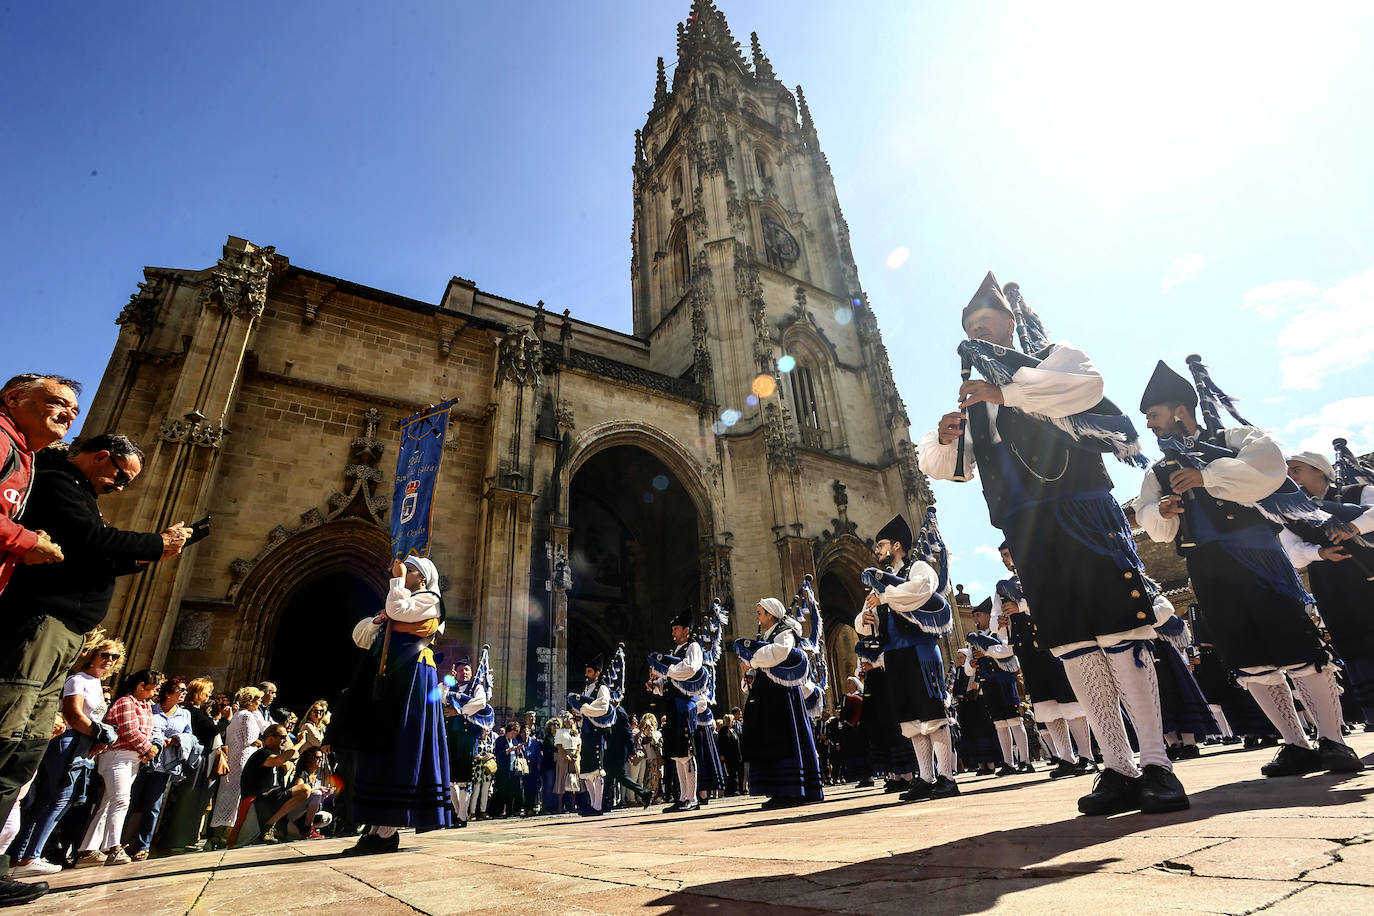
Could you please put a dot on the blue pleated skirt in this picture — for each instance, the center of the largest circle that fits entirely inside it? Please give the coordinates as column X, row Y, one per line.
column 778, row 744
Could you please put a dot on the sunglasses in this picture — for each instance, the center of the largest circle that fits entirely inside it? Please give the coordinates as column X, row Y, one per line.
column 110, row 656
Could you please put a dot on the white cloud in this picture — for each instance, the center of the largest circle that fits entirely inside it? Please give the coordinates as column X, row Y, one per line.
column 983, row 550
column 1348, row 418
column 1329, row 330
column 897, row 258
column 975, row 588
column 1185, row 267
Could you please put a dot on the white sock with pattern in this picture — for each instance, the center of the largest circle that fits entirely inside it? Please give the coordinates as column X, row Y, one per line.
column 1322, row 697
column 1090, row 675
column 1139, row 688
column 1276, row 700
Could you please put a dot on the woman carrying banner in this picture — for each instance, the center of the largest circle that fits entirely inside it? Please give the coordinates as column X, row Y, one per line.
column 402, row 779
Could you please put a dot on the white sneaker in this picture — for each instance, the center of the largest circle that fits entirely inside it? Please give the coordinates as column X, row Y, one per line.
column 36, row 867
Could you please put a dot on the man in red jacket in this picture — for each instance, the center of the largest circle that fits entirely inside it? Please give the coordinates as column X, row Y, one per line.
column 35, row 411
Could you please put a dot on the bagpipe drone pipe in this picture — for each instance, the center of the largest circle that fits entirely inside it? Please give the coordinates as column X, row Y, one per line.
column 613, row 679
column 697, row 684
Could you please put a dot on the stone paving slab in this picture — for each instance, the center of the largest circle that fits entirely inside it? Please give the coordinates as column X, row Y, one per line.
column 1013, row 845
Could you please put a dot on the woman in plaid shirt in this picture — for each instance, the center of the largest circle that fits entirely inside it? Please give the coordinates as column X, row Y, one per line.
column 132, row 719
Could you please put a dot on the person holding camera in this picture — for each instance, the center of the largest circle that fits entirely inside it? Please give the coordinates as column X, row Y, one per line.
column 47, row 609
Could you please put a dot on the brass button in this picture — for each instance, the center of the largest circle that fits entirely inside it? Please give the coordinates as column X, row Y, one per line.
column 1140, row 615
column 1135, row 593
column 1129, row 574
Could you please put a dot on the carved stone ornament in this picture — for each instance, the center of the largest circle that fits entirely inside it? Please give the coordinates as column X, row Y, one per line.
column 564, row 417
column 238, row 283
column 782, row 452
column 780, row 246
column 561, row 578
column 193, row 429
column 193, row 632
column 914, row 482
column 519, row 358
column 141, row 312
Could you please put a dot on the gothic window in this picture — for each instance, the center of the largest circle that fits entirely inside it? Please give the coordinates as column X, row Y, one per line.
column 761, row 165
column 682, row 261
column 677, row 184
column 714, row 82
column 779, row 245
column 804, row 398
column 811, row 388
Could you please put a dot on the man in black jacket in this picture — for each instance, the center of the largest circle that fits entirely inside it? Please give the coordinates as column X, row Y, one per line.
column 46, row 610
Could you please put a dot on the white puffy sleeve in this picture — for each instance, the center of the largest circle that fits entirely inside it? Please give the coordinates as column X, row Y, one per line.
column 365, row 632
column 937, row 461
column 1066, row 382
column 1365, row 523
column 692, row 660
column 477, row 703
column 1300, row 552
column 1158, row 527
column 777, row 650
column 1001, row 650
column 1257, row 470
column 916, row 591
column 410, row 608
column 599, row 705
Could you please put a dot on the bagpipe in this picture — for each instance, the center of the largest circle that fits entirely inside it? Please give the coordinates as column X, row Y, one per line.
column 933, row 618
column 984, row 642
column 794, row 670
column 712, row 638
column 465, row 696
column 1288, row 506
column 1102, row 428
column 613, row 679
column 697, row 684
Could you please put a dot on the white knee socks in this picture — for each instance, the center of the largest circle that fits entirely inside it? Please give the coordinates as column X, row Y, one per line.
column 1276, row 700
column 944, row 752
column 1139, row 687
column 1322, row 698
column 925, row 757
column 686, row 778
column 1018, row 734
column 1082, row 737
column 1062, row 745
column 1004, row 739
column 594, row 785
column 461, row 795
column 1090, row 675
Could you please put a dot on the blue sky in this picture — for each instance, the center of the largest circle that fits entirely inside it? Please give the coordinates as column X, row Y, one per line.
column 1160, row 180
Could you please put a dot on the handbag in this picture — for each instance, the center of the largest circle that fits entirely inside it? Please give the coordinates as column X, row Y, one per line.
column 520, row 765
column 489, row 767
column 219, row 765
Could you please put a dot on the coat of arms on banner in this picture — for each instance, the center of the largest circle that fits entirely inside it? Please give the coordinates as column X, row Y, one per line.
column 411, row 500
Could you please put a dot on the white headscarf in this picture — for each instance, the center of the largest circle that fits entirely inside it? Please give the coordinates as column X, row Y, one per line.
column 774, row 607
column 1315, row 460
column 428, row 571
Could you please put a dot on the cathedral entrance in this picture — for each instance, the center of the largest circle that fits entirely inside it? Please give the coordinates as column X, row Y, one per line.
column 840, row 603
column 634, row 552
column 313, row 653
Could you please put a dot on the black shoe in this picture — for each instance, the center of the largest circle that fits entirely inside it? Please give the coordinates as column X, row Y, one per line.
column 1234, row 739
column 944, row 788
column 1160, row 791
column 1112, row 793
column 920, row 790
column 368, row 844
column 1189, row 752
column 1065, row 769
column 646, row 798
column 15, row 893
column 1338, row 758
column 1172, row 751
column 692, row 805
column 1025, row 768
column 1006, row 770
column 1292, row 760
column 897, row 785
column 864, row 784
column 459, row 824
column 1269, row 741
column 1086, row 766
column 701, row 802
column 1251, row 742
column 1097, row 757
column 773, row 804
column 674, row 808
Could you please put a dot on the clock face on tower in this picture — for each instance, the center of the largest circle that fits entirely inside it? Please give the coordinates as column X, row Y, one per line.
column 780, row 247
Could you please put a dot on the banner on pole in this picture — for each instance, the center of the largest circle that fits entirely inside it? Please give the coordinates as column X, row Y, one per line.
column 417, row 472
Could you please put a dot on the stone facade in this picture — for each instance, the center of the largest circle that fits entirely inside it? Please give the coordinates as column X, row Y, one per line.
column 267, row 395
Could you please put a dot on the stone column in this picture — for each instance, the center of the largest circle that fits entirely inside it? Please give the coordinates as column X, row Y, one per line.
column 180, row 466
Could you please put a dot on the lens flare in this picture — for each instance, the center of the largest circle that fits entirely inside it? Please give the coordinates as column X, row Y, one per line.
column 648, row 497
column 844, row 315
column 765, row 386
column 897, row 258
column 752, row 400
column 787, row 364
column 660, row 482
column 450, row 680
column 730, row 417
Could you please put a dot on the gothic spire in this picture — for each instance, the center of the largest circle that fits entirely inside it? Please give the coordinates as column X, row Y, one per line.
column 763, row 68
column 660, row 86
column 707, row 33
column 639, row 145
column 806, row 124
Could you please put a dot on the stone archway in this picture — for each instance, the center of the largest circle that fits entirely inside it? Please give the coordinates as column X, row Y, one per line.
column 841, row 594
column 351, row 546
column 634, row 552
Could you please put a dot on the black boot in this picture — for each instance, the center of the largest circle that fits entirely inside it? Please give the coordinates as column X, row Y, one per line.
column 1160, row 791
column 1292, row 760
column 1112, row 793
